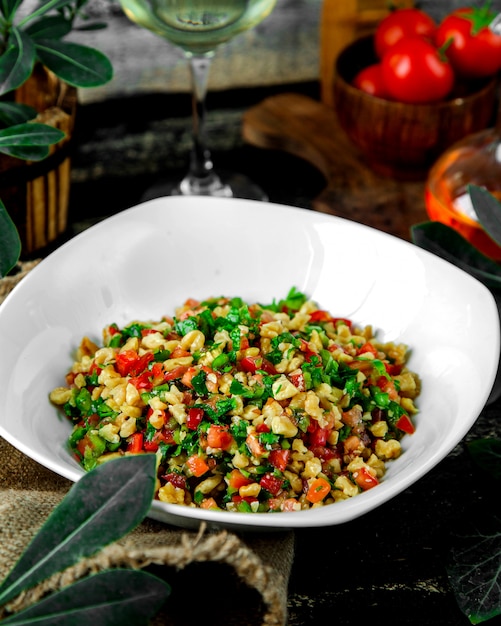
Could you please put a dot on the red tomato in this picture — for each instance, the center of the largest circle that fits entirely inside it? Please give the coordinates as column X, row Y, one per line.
column 405, row 424
column 370, row 80
column 135, row 443
column 279, row 459
column 271, row 483
column 195, row 416
column 415, row 74
column 472, row 48
column 219, row 437
column 364, row 479
column 320, row 316
column 252, row 364
column 237, row 479
column 400, row 24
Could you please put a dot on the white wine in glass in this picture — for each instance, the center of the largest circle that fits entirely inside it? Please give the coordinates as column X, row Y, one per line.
column 198, row 27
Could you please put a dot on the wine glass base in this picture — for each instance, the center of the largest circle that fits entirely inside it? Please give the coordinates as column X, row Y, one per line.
column 232, row 186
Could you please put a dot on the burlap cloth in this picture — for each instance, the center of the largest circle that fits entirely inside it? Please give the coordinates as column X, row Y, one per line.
column 217, row 576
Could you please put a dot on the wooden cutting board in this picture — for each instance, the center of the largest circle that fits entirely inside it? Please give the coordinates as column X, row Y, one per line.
column 308, row 129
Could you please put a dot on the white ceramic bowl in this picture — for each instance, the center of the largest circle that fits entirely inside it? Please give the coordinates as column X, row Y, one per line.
column 143, row 262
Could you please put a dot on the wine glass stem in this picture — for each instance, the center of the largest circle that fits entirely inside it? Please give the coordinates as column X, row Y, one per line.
column 201, row 178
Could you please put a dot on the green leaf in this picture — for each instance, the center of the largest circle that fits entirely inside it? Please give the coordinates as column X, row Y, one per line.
column 113, row 597
column 43, row 9
column 16, row 64
column 13, row 113
column 445, row 242
column 77, row 65
column 101, row 507
column 10, row 244
column 475, row 568
column 488, row 211
column 9, row 7
column 49, row 27
column 487, row 455
column 29, row 141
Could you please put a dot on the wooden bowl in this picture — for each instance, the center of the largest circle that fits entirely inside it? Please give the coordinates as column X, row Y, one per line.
column 403, row 140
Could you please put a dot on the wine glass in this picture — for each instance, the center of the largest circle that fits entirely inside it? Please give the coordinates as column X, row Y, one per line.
column 198, row 27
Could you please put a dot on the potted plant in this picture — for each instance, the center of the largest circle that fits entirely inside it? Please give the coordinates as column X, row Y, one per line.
column 40, row 72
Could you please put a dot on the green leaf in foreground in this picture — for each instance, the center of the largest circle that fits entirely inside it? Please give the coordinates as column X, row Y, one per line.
column 487, row 455
column 100, row 508
column 475, row 569
column 445, row 242
column 113, row 597
column 10, row 244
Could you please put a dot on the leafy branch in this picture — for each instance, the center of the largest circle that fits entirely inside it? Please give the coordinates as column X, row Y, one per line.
column 39, row 38
column 103, row 506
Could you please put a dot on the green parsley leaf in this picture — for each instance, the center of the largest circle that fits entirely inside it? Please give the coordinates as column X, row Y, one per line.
column 183, row 327
column 198, row 382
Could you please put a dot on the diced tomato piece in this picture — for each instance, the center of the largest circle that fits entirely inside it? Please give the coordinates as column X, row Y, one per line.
column 367, row 347
column 236, row 479
column 177, row 372
column 135, row 443
column 141, row 364
column 289, row 504
column 197, row 465
column 112, row 330
column 271, row 483
column 405, row 424
column 148, row 331
column 179, row 352
column 320, row 316
column 142, row 381
column 364, row 479
column 188, row 376
column 95, row 368
column 254, row 445
column 208, row 503
column 319, row 437
column 219, row 437
column 387, row 386
column 262, row 428
column 252, row 364
column 279, row 458
column 393, row 369
column 237, row 499
column 128, row 362
column 160, row 436
column 318, row 490
column 297, row 379
column 306, row 350
column 195, row 416
column 125, row 361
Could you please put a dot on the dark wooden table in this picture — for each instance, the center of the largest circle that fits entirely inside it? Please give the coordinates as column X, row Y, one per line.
column 388, row 567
